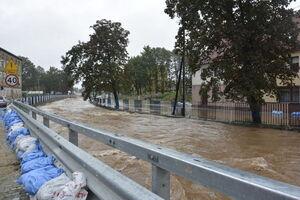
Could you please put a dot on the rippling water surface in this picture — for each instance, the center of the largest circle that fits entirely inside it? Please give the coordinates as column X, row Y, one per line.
column 268, row 152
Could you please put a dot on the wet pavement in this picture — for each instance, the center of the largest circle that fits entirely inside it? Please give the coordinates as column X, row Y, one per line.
column 267, row 152
column 9, row 172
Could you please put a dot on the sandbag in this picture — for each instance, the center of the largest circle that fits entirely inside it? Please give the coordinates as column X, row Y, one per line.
column 12, row 135
column 37, row 153
column 16, row 126
column 12, row 122
column 20, row 155
column 49, row 189
column 25, row 142
column 3, row 113
column 27, row 145
column 13, row 145
column 73, row 190
column 33, row 180
column 37, row 164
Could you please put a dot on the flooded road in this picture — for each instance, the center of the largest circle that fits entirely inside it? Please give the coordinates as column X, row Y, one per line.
column 267, row 152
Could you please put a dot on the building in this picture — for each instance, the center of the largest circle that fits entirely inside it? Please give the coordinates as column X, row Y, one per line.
column 10, row 88
column 286, row 93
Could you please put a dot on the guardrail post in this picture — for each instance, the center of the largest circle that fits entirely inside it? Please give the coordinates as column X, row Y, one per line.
column 161, row 182
column 33, row 115
column 46, row 122
column 73, row 137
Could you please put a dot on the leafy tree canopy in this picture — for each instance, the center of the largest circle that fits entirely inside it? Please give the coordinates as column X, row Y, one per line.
column 247, row 44
column 36, row 78
column 99, row 62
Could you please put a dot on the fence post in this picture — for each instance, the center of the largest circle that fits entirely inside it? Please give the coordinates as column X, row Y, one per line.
column 46, row 122
column 161, row 182
column 33, row 115
column 73, row 137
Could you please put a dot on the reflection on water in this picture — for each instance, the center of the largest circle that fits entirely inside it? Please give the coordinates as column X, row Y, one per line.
column 267, row 152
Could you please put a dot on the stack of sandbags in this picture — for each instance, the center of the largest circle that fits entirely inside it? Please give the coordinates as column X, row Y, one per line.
column 40, row 178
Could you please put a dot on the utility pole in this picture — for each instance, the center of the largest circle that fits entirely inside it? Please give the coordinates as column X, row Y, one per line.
column 177, row 86
column 182, row 69
column 183, row 86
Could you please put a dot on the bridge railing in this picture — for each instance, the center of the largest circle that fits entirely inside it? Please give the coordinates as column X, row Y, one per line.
column 232, row 182
column 33, row 100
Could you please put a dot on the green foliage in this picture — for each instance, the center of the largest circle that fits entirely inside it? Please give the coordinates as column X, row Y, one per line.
column 168, row 96
column 29, row 74
column 152, row 72
column 36, row 78
column 246, row 44
column 99, row 62
column 136, row 74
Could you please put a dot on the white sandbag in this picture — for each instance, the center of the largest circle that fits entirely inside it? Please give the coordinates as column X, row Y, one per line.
column 25, row 143
column 18, row 138
column 16, row 126
column 30, row 148
column 49, row 189
column 73, row 190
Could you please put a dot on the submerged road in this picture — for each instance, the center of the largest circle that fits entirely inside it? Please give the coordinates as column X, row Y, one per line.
column 267, row 152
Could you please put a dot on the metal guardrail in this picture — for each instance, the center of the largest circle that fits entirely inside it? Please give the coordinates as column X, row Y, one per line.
column 232, row 182
column 104, row 182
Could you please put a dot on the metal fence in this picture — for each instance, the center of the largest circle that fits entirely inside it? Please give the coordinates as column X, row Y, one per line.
column 33, row 100
column 106, row 183
column 279, row 114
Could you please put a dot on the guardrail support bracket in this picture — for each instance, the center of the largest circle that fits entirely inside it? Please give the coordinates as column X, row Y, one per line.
column 161, row 182
column 73, row 137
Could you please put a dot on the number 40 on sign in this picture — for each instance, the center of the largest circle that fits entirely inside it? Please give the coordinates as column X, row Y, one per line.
column 11, row 80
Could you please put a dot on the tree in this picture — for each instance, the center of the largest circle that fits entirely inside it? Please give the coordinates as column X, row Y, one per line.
column 247, row 45
column 99, row 62
column 29, row 74
column 137, row 73
column 36, row 78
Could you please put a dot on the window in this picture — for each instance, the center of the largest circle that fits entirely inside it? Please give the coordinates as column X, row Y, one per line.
column 295, row 64
column 289, row 94
column 2, row 64
column 284, row 96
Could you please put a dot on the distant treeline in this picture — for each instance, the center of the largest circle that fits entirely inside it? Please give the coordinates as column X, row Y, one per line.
column 154, row 71
column 36, row 78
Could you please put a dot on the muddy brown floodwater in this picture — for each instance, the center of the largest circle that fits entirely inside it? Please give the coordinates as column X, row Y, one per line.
column 267, row 152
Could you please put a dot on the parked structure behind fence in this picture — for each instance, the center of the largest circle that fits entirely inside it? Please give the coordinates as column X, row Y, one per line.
column 279, row 114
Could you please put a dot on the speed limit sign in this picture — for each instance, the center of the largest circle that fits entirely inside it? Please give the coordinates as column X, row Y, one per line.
column 11, row 80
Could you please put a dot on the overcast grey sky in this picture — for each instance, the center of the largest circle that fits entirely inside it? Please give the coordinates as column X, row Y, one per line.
column 43, row 30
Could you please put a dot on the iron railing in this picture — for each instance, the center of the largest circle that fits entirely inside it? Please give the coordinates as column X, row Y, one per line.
column 232, row 182
column 33, row 100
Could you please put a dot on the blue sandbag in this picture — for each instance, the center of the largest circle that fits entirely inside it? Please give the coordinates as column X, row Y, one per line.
column 37, row 164
column 33, row 155
column 3, row 112
column 10, row 116
column 295, row 114
column 37, row 153
column 19, row 155
column 13, row 135
column 16, row 120
column 11, row 122
column 33, row 180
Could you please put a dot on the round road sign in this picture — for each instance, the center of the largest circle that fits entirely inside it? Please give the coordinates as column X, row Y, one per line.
column 11, row 80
